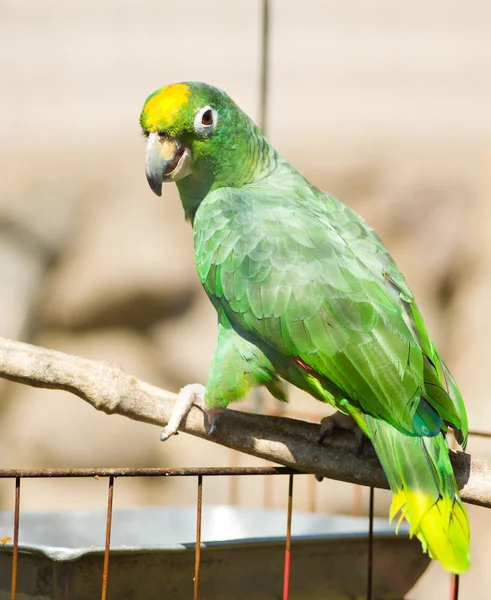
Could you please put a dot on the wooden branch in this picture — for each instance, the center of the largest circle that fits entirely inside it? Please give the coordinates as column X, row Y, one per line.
column 281, row 440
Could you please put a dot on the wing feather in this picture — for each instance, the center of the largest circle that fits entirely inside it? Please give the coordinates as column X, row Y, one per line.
column 308, row 279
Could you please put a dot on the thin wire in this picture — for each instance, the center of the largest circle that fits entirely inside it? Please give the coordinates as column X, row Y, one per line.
column 147, row 472
column 197, row 554
column 263, row 99
column 263, row 90
column 454, row 588
column 370, row 546
column 286, row 576
column 15, row 554
column 109, row 519
column 484, row 434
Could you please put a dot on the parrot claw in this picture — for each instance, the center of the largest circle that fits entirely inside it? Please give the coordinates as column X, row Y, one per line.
column 213, row 425
column 327, row 427
column 166, row 434
column 341, row 421
column 193, row 393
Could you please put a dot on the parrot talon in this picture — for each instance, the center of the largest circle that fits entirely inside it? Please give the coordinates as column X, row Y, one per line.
column 213, row 425
column 212, row 416
column 165, row 435
column 327, row 427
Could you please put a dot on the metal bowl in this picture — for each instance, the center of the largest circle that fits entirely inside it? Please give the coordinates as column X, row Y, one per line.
column 242, row 555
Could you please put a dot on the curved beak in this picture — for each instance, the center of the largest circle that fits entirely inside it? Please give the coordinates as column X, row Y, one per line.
column 160, row 156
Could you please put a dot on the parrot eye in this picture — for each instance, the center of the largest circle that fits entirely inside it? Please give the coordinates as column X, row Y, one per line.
column 205, row 120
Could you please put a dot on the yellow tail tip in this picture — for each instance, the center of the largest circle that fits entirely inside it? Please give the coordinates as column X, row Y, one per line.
column 443, row 528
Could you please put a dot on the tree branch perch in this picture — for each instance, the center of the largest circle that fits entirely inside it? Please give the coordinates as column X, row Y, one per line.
column 281, row 440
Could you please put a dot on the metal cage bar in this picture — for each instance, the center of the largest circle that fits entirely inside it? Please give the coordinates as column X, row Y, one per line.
column 109, row 517
column 197, row 554
column 288, row 542
column 15, row 553
column 370, row 545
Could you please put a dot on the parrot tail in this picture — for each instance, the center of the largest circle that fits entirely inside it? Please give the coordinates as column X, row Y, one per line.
column 424, row 492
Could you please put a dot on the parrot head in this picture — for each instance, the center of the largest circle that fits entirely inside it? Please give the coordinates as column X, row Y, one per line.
column 193, row 133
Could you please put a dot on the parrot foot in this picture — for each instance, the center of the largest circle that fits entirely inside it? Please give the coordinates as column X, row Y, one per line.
column 341, row 421
column 193, row 393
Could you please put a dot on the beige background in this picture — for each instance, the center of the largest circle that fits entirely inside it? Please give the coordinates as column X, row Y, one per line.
column 385, row 104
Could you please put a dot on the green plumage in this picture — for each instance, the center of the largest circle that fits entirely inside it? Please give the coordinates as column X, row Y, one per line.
column 306, row 291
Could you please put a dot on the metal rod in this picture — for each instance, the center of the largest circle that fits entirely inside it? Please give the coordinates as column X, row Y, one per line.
column 197, row 554
column 454, row 587
column 109, row 519
column 15, row 553
column 484, row 434
column 146, row 472
column 370, row 546
column 263, row 92
column 286, row 576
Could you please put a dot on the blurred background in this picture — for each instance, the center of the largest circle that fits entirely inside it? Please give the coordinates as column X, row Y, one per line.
column 384, row 104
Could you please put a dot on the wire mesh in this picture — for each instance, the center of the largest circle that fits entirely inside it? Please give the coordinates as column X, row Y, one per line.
column 200, row 474
column 112, row 474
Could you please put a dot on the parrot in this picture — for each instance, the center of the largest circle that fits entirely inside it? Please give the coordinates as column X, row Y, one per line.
column 306, row 294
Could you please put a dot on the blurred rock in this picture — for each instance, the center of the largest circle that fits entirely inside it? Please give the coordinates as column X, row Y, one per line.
column 186, row 343
column 21, row 272
column 30, row 241
column 130, row 264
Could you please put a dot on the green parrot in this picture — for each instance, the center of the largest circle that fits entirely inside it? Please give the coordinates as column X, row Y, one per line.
column 306, row 293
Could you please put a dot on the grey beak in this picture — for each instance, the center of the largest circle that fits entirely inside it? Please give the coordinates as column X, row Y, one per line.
column 156, row 163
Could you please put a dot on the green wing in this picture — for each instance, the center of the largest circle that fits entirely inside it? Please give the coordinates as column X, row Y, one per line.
column 305, row 278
